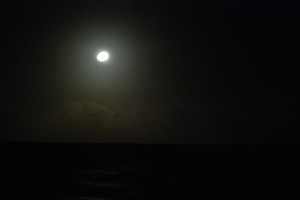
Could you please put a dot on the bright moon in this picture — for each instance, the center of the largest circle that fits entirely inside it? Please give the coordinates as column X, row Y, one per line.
column 103, row 56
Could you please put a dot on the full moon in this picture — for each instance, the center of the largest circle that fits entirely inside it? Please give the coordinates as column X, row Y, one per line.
column 102, row 56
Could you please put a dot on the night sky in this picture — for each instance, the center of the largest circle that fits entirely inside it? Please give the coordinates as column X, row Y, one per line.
column 205, row 72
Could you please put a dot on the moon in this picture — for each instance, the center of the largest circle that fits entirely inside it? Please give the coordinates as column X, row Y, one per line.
column 102, row 56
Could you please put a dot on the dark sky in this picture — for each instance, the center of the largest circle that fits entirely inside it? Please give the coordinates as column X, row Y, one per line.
column 205, row 72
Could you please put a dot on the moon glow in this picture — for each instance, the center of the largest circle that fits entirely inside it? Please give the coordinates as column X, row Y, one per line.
column 102, row 56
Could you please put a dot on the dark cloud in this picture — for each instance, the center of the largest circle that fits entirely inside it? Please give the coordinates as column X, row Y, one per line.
column 88, row 109
column 92, row 121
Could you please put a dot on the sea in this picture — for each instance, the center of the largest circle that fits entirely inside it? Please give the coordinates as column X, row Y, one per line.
column 74, row 171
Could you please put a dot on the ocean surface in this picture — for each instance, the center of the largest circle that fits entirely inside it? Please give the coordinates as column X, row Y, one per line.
column 138, row 171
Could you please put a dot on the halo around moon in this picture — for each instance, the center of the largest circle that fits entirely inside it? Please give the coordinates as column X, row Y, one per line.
column 102, row 56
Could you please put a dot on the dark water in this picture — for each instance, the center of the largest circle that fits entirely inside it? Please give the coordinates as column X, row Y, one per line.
column 115, row 171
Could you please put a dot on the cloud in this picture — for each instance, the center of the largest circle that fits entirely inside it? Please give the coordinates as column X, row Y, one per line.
column 88, row 108
column 85, row 121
